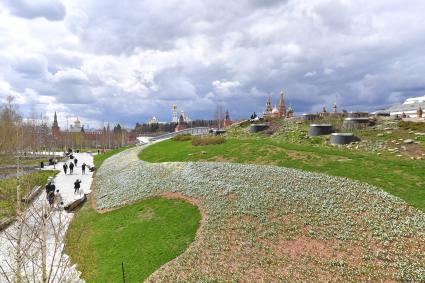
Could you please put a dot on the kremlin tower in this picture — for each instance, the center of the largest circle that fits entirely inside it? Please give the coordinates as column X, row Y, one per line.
column 227, row 121
column 282, row 107
column 279, row 111
column 181, row 124
column 268, row 111
column 55, row 127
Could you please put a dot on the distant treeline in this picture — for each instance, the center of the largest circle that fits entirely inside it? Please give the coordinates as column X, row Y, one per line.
column 170, row 127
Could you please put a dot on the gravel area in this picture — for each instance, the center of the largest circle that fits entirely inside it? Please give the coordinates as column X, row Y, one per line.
column 271, row 223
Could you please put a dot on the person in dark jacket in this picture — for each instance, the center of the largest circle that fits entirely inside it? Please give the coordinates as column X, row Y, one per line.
column 65, row 167
column 71, row 168
column 48, row 186
column 50, row 191
column 41, row 164
column 77, row 186
column 83, row 168
column 75, row 161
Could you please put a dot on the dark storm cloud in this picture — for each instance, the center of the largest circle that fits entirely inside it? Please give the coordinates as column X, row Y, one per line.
column 130, row 60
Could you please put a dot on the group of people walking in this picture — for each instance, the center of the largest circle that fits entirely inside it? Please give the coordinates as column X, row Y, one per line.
column 52, row 194
column 71, row 166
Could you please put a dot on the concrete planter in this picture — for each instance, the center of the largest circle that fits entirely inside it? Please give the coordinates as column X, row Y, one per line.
column 219, row 132
column 310, row 117
column 319, row 130
column 355, row 123
column 342, row 138
column 255, row 128
column 358, row 114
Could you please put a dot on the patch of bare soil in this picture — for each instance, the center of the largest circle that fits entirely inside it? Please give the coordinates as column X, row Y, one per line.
column 413, row 150
column 220, row 158
column 232, row 197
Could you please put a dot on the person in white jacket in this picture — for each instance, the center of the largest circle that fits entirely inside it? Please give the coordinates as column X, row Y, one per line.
column 58, row 199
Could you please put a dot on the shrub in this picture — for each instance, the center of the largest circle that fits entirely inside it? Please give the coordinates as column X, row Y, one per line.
column 183, row 137
column 316, row 140
column 414, row 126
column 420, row 138
column 206, row 140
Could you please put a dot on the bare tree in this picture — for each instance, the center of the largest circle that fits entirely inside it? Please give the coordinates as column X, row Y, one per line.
column 9, row 117
column 31, row 248
column 35, row 246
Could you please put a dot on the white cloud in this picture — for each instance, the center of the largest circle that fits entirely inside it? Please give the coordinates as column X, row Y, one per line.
column 310, row 74
column 109, row 61
column 70, row 75
column 52, row 10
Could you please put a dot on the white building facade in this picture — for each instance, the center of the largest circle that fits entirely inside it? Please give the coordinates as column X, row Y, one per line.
column 409, row 107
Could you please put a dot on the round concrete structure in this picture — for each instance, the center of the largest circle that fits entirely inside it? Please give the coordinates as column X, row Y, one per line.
column 352, row 123
column 358, row 114
column 319, row 130
column 255, row 128
column 310, row 117
column 342, row 138
column 218, row 132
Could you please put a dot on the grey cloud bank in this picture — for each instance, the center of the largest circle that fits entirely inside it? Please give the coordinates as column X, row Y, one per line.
column 126, row 61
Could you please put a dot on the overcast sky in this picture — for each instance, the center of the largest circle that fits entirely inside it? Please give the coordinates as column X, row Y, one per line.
column 125, row 61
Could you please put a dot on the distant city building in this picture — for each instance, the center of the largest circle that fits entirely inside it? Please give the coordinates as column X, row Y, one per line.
column 409, row 107
column 227, row 121
column 76, row 127
column 282, row 106
column 268, row 111
column 290, row 112
column 181, row 124
column 175, row 117
column 55, row 127
column 155, row 121
column 334, row 112
column 78, row 136
column 275, row 111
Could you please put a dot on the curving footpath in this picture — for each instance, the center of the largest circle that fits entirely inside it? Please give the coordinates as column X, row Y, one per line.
column 59, row 267
column 267, row 223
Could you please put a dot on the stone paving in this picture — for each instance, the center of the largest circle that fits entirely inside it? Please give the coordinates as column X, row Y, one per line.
column 59, row 266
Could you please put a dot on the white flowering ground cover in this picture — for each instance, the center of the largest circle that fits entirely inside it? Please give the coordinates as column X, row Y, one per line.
column 275, row 224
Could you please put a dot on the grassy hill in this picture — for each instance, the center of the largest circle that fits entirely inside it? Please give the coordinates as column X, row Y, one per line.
column 401, row 177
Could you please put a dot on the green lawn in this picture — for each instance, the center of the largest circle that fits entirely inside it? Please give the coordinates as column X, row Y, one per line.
column 11, row 160
column 8, row 189
column 400, row 177
column 144, row 236
column 98, row 159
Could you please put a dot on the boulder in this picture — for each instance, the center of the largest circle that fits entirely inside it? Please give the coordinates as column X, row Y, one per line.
column 408, row 141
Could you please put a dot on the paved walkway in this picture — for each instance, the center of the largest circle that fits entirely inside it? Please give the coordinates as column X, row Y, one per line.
column 58, row 264
column 65, row 183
